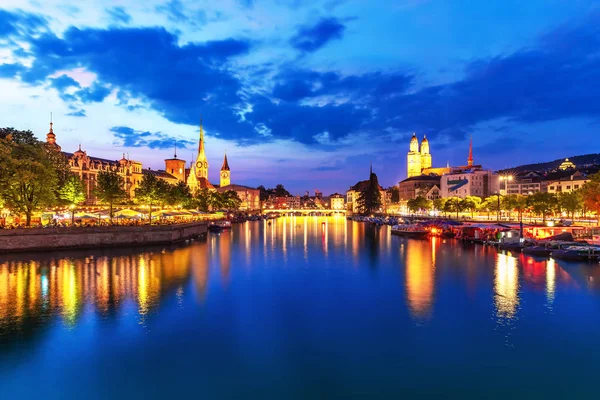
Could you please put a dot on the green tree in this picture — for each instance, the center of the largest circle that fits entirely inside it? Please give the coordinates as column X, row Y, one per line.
column 395, row 194
column 215, row 200
column 517, row 203
column 571, row 202
column 73, row 192
column 419, row 203
column 231, row 200
column 485, row 207
column 542, row 203
column 438, row 204
column 471, row 203
column 28, row 179
column 150, row 192
column 590, row 193
column 180, row 195
column 453, row 204
column 109, row 189
column 202, row 199
column 369, row 200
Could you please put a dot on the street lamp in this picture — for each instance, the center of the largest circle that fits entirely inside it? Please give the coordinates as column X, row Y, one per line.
column 505, row 179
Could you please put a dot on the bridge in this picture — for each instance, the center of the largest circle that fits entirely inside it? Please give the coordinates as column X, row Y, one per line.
column 305, row 212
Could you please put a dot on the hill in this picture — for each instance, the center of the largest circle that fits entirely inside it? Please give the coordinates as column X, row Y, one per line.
column 580, row 161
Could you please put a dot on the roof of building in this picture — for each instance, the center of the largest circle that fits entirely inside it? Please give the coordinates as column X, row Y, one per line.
column 235, row 187
column 362, row 186
column 225, row 166
column 158, row 173
column 204, row 183
column 431, row 178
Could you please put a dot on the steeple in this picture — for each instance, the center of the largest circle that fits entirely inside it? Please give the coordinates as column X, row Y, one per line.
column 370, row 168
column 201, row 161
column 50, row 136
column 470, row 160
column 225, row 166
column 175, row 154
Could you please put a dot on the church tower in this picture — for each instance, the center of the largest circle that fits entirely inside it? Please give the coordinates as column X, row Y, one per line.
column 413, row 157
column 225, row 173
column 51, row 137
column 425, row 154
column 201, row 161
column 470, row 159
column 175, row 166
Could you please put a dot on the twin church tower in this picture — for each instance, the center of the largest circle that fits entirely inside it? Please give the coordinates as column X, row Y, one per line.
column 418, row 160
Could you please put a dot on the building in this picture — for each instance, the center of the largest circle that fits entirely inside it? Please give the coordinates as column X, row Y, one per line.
column 354, row 192
column 566, row 165
column 469, row 182
column 418, row 159
column 419, row 185
column 132, row 172
column 434, row 193
column 525, row 184
column 567, row 185
column 336, row 201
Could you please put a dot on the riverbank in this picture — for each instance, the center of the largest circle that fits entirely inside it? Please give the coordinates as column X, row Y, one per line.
column 49, row 239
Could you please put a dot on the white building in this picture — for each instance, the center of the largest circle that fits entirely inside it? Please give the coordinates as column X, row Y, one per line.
column 567, row 185
column 469, row 182
column 336, row 201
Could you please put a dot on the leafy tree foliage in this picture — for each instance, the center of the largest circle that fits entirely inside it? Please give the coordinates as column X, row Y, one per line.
column 278, row 191
column 72, row 192
column 419, row 203
column 471, row 203
column 591, row 194
column 28, row 178
column 109, row 189
column 542, row 203
column 152, row 191
column 571, row 202
column 369, row 200
column 453, row 204
column 395, row 194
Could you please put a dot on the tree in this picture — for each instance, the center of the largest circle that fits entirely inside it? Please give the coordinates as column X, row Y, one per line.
column 180, row 194
column 485, row 207
column 215, row 200
column 151, row 191
column 109, row 189
column 517, row 203
column 280, row 191
column 453, row 204
column 438, row 204
column 73, row 193
column 419, row 203
column 471, row 203
column 28, row 179
column 395, row 194
column 571, row 202
column 231, row 200
column 590, row 193
column 369, row 200
column 202, row 199
column 542, row 203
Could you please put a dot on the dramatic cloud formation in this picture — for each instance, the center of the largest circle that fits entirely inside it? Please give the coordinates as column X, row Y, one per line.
column 261, row 85
column 312, row 38
column 153, row 140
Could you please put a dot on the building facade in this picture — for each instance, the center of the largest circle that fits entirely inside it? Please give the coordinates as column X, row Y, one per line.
column 418, row 159
column 469, row 182
column 418, row 185
column 336, row 201
column 567, row 185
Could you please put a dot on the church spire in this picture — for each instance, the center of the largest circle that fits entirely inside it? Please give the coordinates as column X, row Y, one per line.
column 470, row 160
column 175, row 154
column 201, row 143
column 50, row 136
column 225, row 166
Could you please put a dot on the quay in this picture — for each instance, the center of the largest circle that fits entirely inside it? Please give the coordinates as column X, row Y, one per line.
column 49, row 239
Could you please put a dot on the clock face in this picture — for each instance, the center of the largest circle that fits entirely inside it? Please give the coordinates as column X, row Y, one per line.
column 224, row 174
column 199, row 164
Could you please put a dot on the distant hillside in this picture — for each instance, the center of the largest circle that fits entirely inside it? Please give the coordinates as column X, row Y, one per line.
column 579, row 161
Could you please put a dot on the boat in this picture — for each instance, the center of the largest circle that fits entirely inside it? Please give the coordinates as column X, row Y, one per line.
column 577, row 253
column 544, row 249
column 410, row 231
column 219, row 226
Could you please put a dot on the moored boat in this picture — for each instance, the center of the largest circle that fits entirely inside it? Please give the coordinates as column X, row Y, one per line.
column 577, row 253
column 410, row 231
column 218, row 226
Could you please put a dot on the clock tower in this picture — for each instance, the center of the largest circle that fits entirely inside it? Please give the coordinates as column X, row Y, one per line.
column 225, row 173
column 201, row 161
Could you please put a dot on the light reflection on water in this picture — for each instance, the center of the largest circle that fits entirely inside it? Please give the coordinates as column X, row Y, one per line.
column 318, row 287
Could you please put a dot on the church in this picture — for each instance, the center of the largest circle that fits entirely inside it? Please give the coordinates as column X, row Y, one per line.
column 196, row 176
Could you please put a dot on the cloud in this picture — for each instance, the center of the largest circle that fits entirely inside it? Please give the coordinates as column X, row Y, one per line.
column 129, row 137
column 177, row 13
column 10, row 70
column 311, row 38
column 93, row 94
column 64, row 82
column 19, row 23
column 118, row 15
column 76, row 113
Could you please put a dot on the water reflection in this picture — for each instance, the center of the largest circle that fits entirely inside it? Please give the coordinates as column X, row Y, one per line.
column 420, row 277
column 34, row 290
column 506, row 286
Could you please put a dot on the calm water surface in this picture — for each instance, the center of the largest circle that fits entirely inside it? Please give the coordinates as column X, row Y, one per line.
column 304, row 308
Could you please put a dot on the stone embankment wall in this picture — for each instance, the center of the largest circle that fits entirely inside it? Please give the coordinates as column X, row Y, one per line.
column 13, row 240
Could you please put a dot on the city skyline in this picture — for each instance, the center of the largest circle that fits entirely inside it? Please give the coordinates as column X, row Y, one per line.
column 297, row 94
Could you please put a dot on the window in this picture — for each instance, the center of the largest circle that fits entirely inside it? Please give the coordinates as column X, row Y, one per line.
column 576, row 187
column 551, row 187
column 568, row 187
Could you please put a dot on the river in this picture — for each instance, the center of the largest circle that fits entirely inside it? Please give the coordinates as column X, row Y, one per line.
column 303, row 307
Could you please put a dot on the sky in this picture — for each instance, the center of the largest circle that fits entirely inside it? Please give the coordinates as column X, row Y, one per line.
column 306, row 93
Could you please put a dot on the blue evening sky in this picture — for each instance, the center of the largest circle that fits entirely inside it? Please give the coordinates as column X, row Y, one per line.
column 306, row 93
